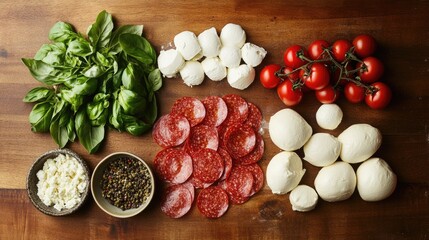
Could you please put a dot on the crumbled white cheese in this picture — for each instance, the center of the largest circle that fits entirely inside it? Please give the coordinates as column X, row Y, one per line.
column 62, row 180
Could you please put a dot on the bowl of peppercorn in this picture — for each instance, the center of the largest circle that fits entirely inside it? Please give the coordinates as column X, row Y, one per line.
column 122, row 184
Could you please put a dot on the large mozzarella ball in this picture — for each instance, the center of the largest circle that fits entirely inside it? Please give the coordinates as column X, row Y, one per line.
column 209, row 42
column 375, row 180
column 230, row 56
column 241, row 77
column 322, row 149
column 359, row 142
column 170, row 62
column 252, row 55
column 336, row 182
column 214, row 69
column 192, row 73
column 284, row 172
column 289, row 130
column 187, row 44
column 303, row 198
column 232, row 35
column 329, row 116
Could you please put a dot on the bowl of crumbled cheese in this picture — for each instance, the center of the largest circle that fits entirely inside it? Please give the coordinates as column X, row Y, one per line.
column 58, row 182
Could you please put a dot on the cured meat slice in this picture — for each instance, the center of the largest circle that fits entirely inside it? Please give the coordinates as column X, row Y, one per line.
column 237, row 199
column 255, row 155
column 201, row 137
column 197, row 183
column 191, row 189
column 208, row 165
column 177, row 201
column 227, row 160
column 240, row 183
column 191, row 108
column 254, row 118
column 173, row 165
column 239, row 140
column 171, row 130
column 237, row 109
column 212, row 202
column 216, row 111
column 258, row 177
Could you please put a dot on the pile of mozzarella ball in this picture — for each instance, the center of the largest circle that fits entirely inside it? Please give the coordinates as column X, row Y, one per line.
column 217, row 57
column 336, row 180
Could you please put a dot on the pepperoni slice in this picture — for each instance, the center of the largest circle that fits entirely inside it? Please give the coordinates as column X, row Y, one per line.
column 237, row 108
column 177, row 201
column 216, row 111
column 239, row 183
column 258, row 177
column 197, row 183
column 191, row 189
column 239, row 140
column 255, row 155
column 201, row 137
column 171, row 130
column 208, row 165
column 254, row 118
column 227, row 163
column 212, row 202
column 191, row 108
column 173, row 165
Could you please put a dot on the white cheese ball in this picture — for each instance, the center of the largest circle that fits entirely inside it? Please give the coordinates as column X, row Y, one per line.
column 375, row 180
column 252, row 55
column 233, row 35
column 322, row 149
column 230, row 56
column 359, row 142
column 336, row 182
column 329, row 116
column 214, row 69
column 209, row 42
column 187, row 44
column 303, row 198
column 289, row 130
column 284, row 172
column 192, row 73
column 241, row 77
column 170, row 62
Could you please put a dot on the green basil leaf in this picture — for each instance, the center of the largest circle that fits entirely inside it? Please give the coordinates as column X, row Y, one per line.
column 62, row 32
column 70, row 129
column 38, row 94
column 93, row 72
column 59, row 133
column 135, row 126
column 151, row 112
column 117, row 79
column 86, row 88
column 97, row 110
column 116, row 116
column 132, row 79
column 131, row 102
column 114, row 41
column 59, row 108
column 155, row 80
column 89, row 136
column 80, row 47
column 100, row 31
column 138, row 47
column 41, row 71
column 40, row 117
column 73, row 98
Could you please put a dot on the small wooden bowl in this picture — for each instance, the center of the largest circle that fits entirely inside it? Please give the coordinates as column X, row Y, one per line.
column 32, row 181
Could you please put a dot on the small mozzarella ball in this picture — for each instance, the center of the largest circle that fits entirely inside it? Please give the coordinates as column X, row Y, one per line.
column 375, row 180
column 232, row 35
column 336, row 182
column 192, row 73
column 303, row 198
column 170, row 62
column 289, row 130
column 322, row 149
column 209, row 42
column 187, row 44
column 359, row 142
column 252, row 55
column 329, row 116
column 230, row 56
column 241, row 77
column 214, row 69
column 284, row 172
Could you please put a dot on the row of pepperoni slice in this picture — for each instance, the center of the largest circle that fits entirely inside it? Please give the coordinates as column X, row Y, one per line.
column 213, row 145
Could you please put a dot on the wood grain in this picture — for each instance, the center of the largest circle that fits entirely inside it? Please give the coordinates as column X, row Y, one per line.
column 401, row 30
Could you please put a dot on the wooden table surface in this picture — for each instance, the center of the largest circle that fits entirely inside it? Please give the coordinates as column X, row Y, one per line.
column 401, row 29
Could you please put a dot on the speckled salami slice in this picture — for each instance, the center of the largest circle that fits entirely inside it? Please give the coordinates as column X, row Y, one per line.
column 173, row 165
column 191, row 189
column 240, row 183
column 239, row 140
column 254, row 118
column 227, row 163
column 208, row 165
column 200, row 137
column 237, row 109
column 253, row 156
column 177, row 201
column 212, row 202
column 191, row 108
column 216, row 111
column 258, row 177
column 198, row 184
column 171, row 130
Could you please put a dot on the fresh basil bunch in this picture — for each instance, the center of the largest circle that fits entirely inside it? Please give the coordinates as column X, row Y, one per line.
column 107, row 79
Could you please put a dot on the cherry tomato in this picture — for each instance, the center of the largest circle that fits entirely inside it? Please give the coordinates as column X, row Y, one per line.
column 354, row 93
column 380, row 97
column 317, row 78
column 288, row 95
column 365, row 45
column 268, row 76
column 292, row 76
column 372, row 69
column 340, row 48
column 327, row 95
column 291, row 56
column 316, row 49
